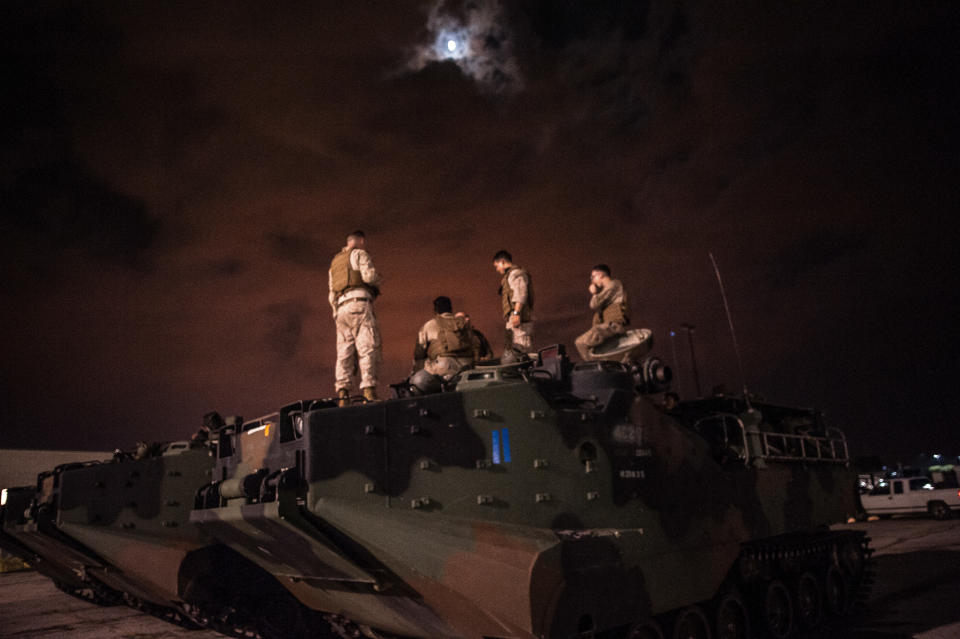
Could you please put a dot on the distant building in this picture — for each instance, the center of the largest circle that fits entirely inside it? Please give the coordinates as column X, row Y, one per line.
column 19, row 467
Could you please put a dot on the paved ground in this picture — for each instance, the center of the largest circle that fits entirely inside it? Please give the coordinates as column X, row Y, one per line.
column 917, row 595
column 31, row 608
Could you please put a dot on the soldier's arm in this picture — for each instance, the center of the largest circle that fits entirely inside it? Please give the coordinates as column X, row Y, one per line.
column 518, row 286
column 485, row 351
column 360, row 260
column 606, row 295
column 331, row 296
column 420, row 351
column 619, row 294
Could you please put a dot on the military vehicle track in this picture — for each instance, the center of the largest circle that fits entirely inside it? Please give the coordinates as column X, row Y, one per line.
column 796, row 581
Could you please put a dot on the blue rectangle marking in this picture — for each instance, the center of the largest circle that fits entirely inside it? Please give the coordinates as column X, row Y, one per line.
column 505, row 436
column 495, row 435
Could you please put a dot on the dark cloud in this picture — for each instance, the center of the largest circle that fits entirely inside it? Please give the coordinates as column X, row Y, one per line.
column 228, row 266
column 559, row 22
column 53, row 200
column 813, row 149
column 285, row 321
column 54, row 207
column 304, row 249
column 815, row 251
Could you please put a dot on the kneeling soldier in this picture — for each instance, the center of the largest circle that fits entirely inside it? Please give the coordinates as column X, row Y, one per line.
column 445, row 345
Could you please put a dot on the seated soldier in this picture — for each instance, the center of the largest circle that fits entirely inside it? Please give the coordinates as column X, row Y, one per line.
column 445, row 344
column 610, row 311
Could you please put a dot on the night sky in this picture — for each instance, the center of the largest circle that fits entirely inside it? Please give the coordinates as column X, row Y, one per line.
column 175, row 177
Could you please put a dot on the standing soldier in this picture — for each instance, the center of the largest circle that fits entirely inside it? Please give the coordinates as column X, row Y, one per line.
column 354, row 284
column 516, row 296
column 444, row 346
column 610, row 311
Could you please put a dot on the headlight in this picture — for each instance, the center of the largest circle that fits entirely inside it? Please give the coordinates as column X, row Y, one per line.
column 3, row 497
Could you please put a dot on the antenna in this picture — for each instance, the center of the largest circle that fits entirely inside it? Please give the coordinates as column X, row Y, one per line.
column 733, row 333
column 693, row 358
column 676, row 365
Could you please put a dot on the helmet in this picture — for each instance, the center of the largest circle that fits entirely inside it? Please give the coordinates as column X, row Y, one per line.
column 425, row 383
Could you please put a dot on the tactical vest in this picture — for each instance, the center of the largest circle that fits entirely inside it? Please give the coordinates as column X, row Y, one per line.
column 507, row 302
column 453, row 338
column 618, row 312
column 344, row 277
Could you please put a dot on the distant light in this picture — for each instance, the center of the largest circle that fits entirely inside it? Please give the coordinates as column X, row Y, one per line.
column 672, row 333
column 936, row 456
column 3, row 497
column 451, row 45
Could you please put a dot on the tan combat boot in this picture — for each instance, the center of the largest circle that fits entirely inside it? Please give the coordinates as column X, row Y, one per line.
column 370, row 394
column 343, row 397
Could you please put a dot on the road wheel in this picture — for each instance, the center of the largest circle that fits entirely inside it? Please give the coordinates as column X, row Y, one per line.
column 776, row 620
column 835, row 591
column 286, row 618
column 851, row 559
column 648, row 629
column 691, row 623
column 809, row 599
column 731, row 619
column 938, row 510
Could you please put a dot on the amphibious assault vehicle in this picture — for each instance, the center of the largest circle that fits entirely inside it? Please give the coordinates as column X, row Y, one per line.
column 543, row 499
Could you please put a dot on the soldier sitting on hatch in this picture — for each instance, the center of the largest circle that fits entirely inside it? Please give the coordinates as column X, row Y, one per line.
column 611, row 313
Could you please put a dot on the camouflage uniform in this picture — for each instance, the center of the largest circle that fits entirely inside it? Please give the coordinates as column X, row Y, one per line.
column 444, row 346
column 516, row 287
column 358, row 334
column 610, row 317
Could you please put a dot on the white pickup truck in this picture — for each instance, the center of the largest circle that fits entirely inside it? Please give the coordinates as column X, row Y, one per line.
column 911, row 495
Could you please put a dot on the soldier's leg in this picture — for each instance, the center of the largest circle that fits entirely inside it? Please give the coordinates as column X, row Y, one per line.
column 583, row 344
column 368, row 347
column 519, row 343
column 445, row 367
column 598, row 334
column 607, row 330
column 511, row 352
column 346, row 351
column 523, row 338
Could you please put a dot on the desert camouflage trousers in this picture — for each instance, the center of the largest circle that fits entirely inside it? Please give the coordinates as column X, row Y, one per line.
column 518, row 342
column 598, row 334
column 358, row 344
column 446, row 366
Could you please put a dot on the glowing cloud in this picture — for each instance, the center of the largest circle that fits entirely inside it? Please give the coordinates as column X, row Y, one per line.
column 477, row 38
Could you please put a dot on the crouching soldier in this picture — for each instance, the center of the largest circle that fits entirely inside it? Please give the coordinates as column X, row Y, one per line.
column 445, row 344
